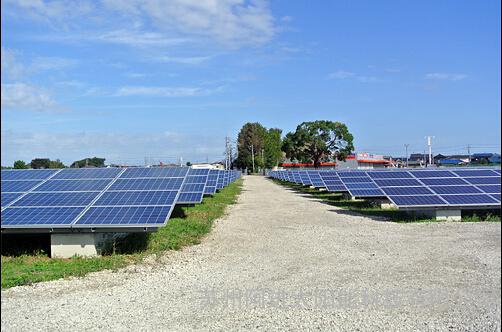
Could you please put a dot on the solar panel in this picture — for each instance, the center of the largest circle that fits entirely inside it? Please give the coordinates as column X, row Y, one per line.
column 405, row 191
column 369, row 185
column 431, row 174
column 120, row 198
column 485, row 180
column 39, row 216
column 475, row 172
column 444, row 182
column 9, row 197
column 186, row 198
column 455, row 189
column 367, row 193
column 496, row 196
column 192, row 190
column 56, row 199
column 472, row 199
column 97, row 198
column 125, row 216
column 87, row 173
column 147, row 184
column 397, row 182
column 491, row 189
column 27, row 174
column 74, row 185
column 18, row 186
column 389, row 175
column 416, row 201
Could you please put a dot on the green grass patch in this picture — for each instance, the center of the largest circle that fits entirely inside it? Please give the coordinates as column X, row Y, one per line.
column 368, row 208
column 186, row 227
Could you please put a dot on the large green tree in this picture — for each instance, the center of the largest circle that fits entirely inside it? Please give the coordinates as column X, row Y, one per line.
column 19, row 164
column 57, row 164
column 251, row 140
column 318, row 141
column 40, row 163
column 273, row 145
column 95, row 162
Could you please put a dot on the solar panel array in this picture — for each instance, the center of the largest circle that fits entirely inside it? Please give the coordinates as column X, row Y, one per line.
column 409, row 188
column 100, row 198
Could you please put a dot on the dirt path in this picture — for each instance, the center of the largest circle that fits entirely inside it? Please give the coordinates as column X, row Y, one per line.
column 283, row 261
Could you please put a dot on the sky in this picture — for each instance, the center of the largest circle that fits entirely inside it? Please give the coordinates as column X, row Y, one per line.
column 138, row 81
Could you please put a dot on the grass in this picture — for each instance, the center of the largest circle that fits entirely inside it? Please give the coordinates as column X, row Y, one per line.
column 187, row 226
column 368, row 208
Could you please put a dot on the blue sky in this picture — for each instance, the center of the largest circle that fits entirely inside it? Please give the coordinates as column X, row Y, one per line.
column 132, row 79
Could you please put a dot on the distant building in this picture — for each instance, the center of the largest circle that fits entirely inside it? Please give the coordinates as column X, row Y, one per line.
column 364, row 161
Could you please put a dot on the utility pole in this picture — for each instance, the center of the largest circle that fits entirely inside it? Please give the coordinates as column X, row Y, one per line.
column 469, row 152
column 181, row 161
column 252, row 155
column 406, row 149
column 429, row 144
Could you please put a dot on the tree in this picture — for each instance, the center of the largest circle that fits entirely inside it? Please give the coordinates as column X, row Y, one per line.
column 189, row 164
column 40, row 163
column 318, row 141
column 93, row 162
column 57, row 164
column 251, row 141
column 273, row 144
column 19, row 164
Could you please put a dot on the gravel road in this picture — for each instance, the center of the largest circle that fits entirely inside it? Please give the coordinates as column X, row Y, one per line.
column 283, row 261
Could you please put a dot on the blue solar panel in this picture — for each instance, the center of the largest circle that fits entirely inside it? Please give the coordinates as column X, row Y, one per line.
column 406, row 191
column 87, row 173
column 74, row 185
column 487, row 180
column 356, row 180
column 361, row 186
column 333, row 187
column 490, row 189
column 389, row 175
column 193, row 187
column 187, row 198
column 496, row 196
column 39, row 216
column 18, row 186
column 125, row 216
column 443, row 182
column 7, row 198
column 455, row 189
column 27, row 174
column 416, row 200
column 120, row 198
column 397, row 183
column 432, row 174
column 352, row 174
column 475, row 172
column 147, row 184
column 56, row 199
column 367, row 193
column 155, row 172
column 209, row 190
column 196, row 179
column 198, row 171
column 471, row 199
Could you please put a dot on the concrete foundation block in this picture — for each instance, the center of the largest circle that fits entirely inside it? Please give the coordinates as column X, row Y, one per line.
column 69, row 245
column 449, row 215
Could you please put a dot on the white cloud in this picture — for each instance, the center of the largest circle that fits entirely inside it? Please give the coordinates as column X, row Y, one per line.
column 27, row 97
column 136, row 38
column 445, row 76
column 55, row 9
column 10, row 66
column 162, row 91
column 230, row 22
column 182, row 60
column 343, row 75
column 51, row 63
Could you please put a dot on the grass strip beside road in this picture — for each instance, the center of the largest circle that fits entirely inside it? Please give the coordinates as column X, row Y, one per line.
column 186, row 227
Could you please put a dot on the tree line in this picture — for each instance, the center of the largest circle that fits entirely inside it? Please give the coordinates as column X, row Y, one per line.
column 312, row 142
column 39, row 163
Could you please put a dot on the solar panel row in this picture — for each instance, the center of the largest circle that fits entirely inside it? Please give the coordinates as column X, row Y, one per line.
column 102, row 197
column 409, row 187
